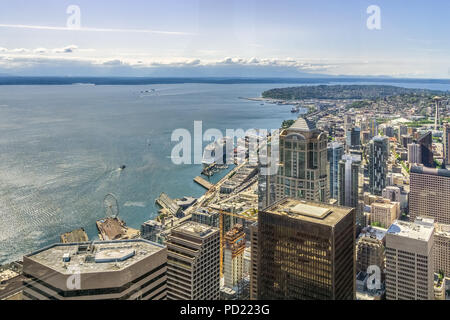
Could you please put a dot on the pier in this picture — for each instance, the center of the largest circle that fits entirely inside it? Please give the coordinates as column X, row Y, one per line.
column 168, row 205
column 205, row 184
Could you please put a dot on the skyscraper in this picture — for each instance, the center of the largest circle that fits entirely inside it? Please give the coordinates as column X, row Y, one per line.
column 446, row 142
column 348, row 175
column 429, row 194
column 303, row 170
column 414, row 153
column 335, row 152
column 426, row 147
column 353, row 139
column 409, row 260
column 193, row 262
column 306, row 250
column 378, row 158
column 437, row 101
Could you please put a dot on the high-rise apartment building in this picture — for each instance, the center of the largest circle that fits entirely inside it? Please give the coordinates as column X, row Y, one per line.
column 409, row 260
column 335, row 152
column 378, row 158
column 306, row 250
column 442, row 249
column 193, row 262
column 303, row 170
column 414, row 153
column 120, row 270
column 233, row 256
column 429, row 194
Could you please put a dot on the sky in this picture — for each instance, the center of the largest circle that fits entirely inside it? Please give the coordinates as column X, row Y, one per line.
column 245, row 38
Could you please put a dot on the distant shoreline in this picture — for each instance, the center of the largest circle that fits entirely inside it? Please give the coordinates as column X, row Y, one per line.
column 56, row 80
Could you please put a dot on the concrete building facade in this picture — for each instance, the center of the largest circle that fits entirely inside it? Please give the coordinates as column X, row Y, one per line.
column 409, row 260
column 429, row 194
column 193, row 262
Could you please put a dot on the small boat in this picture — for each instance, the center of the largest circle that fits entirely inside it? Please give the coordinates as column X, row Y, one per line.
column 123, row 167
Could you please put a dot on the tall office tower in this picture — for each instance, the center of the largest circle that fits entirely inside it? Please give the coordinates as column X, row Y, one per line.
column 120, row 269
column 446, row 142
column 193, row 262
column 348, row 176
column 306, row 250
column 426, row 143
column 409, row 260
column 384, row 212
column 429, row 193
column 378, row 158
column 303, row 171
column 414, row 153
column 437, row 101
column 370, row 249
column 233, row 256
column 442, row 249
column 392, row 193
column 353, row 138
column 254, row 261
column 266, row 181
column 335, row 152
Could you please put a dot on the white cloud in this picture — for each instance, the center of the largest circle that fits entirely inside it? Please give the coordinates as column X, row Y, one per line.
column 40, row 50
column 83, row 29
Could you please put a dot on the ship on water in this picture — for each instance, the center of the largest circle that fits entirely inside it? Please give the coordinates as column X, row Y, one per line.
column 216, row 152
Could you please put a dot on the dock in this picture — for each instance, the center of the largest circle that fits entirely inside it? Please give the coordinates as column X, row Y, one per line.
column 115, row 229
column 78, row 235
column 168, row 205
column 205, row 184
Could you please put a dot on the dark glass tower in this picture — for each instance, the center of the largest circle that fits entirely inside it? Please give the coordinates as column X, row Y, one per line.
column 306, row 250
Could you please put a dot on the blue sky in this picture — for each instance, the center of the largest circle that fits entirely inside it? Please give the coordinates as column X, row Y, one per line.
column 225, row 38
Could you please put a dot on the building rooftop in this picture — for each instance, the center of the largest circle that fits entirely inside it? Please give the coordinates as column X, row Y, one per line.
column 431, row 171
column 373, row 232
column 421, row 229
column 303, row 124
column 85, row 257
column 315, row 212
column 443, row 229
column 195, row 229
